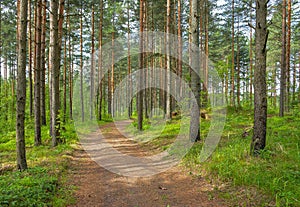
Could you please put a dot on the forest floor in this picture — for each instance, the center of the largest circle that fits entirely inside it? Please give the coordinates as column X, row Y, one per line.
column 96, row 186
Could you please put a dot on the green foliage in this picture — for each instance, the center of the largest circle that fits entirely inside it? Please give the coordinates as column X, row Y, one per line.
column 44, row 183
column 275, row 173
column 35, row 187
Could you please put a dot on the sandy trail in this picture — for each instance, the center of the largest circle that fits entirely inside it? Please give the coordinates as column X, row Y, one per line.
column 100, row 187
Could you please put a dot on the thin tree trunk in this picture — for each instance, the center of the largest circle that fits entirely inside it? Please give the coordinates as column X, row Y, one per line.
column 238, row 66
column 65, row 81
column 30, row 60
column 168, row 56
column 179, row 33
column 232, row 58
column 100, row 61
column 81, row 65
column 294, row 79
column 251, row 58
column 92, row 66
column 129, row 61
column 288, row 54
column 274, row 87
column 283, row 63
column 205, row 85
column 141, row 64
column 260, row 85
column 43, row 65
column 21, row 87
column 37, row 75
column 112, row 77
column 70, row 64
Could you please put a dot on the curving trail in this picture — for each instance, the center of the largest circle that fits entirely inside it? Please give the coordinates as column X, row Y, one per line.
column 100, row 187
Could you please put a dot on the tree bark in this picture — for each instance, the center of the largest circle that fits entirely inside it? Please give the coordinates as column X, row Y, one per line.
column 129, row 61
column 251, row 58
column 55, row 71
column 195, row 79
column 21, row 87
column 43, row 64
column 141, row 64
column 232, row 58
column 81, row 65
column 100, row 62
column 92, row 65
column 168, row 59
column 37, row 75
column 260, row 86
column 30, row 60
column 288, row 54
column 283, row 63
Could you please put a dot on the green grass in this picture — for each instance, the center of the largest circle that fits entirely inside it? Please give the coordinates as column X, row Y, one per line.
column 272, row 179
column 44, row 183
column 275, row 173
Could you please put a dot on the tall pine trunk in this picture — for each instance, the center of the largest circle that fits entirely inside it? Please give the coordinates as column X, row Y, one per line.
column 232, row 95
column 37, row 74
column 21, row 86
column 43, row 65
column 141, row 64
column 260, row 85
column 92, row 65
column 55, row 71
column 100, row 62
column 195, row 79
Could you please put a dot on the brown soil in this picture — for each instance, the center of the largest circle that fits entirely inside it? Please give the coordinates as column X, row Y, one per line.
column 100, row 187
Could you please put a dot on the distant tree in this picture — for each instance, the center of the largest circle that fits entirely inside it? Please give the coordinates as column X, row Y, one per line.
column 260, row 85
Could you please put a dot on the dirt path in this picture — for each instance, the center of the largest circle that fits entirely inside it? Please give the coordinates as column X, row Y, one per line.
column 100, row 187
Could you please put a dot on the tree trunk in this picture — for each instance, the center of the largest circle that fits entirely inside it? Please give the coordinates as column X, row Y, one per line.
column 81, row 65
column 260, row 86
column 274, row 87
column 55, row 71
column 100, row 61
column 43, row 65
column 238, row 65
column 65, row 81
column 251, row 58
column 205, row 85
column 179, row 33
column 30, row 60
column 70, row 52
column 141, row 64
column 129, row 61
column 21, row 87
column 288, row 55
column 232, row 58
column 195, row 79
column 283, row 63
column 37, row 75
column 92, row 66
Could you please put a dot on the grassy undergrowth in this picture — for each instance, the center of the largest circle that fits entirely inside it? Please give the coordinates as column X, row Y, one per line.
column 43, row 184
column 273, row 179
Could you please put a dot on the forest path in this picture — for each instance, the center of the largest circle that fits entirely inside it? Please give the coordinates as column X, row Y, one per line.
column 100, row 187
